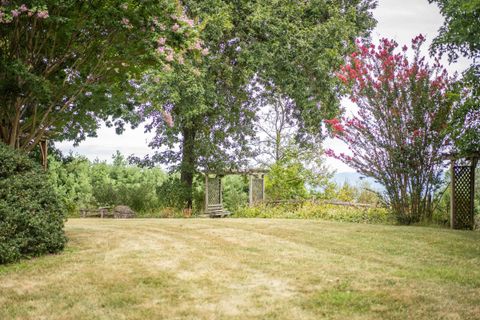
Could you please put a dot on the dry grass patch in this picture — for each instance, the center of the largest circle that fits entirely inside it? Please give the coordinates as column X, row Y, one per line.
column 244, row 269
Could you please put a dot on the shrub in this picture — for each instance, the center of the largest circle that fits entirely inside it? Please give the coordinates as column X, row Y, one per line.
column 31, row 215
column 309, row 210
column 235, row 192
column 172, row 193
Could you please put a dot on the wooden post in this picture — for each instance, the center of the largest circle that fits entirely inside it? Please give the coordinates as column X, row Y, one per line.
column 206, row 192
column 250, row 191
column 220, row 189
column 452, row 194
column 263, row 187
column 473, row 165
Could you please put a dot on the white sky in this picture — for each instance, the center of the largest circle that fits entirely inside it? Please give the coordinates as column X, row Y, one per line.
column 399, row 20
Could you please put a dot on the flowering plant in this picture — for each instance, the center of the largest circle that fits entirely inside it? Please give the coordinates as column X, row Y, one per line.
column 400, row 132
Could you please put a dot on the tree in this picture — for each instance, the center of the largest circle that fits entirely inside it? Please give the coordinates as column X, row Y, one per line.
column 286, row 180
column 460, row 36
column 252, row 45
column 65, row 65
column 278, row 146
column 401, row 131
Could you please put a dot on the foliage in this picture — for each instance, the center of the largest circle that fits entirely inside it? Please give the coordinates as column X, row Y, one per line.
column 401, row 130
column 251, row 45
column 65, row 65
column 346, row 193
column 235, row 192
column 309, row 210
column 286, row 180
column 31, row 215
column 460, row 36
column 299, row 173
column 83, row 184
column 172, row 193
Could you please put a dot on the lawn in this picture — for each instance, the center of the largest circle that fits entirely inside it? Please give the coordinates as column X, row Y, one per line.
column 248, row 268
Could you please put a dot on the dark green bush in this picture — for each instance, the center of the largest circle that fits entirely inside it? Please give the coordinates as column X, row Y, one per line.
column 31, row 215
column 172, row 193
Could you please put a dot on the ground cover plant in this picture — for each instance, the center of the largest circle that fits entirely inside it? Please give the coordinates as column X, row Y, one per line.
column 248, row 269
column 31, row 214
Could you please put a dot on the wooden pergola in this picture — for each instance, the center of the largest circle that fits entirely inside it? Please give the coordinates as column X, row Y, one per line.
column 214, row 189
column 462, row 209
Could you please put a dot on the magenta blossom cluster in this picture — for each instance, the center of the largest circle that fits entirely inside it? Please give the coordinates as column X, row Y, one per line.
column 7, row 17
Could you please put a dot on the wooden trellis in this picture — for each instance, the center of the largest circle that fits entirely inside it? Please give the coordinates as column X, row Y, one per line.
column 256, row 189
column 463, row 192
column 214, row 190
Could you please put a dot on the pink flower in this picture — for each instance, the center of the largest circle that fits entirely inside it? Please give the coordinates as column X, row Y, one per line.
column 15, row 13
column 161, row 49
column 332, row 121
column 43, row 14
column 161, row 41
column 126, row 23
column 330, row 153
column 169, row 57
column 338, row 127
column 167, row 117
column 197, row 45
column 181, row 60
column 190, row 22
column 205, row 52
column 23, row 8
column 175, row 27
column 417, row 133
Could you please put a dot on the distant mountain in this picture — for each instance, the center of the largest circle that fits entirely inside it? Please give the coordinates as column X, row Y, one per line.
column 356, row 179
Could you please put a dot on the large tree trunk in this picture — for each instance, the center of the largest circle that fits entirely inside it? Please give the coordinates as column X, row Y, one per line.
column 187, row 167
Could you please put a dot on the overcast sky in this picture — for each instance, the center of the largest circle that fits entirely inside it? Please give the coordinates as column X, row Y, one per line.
column 399, row 20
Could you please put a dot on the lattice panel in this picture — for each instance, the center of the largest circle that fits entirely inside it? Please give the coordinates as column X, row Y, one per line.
column 463, row 197
column 257, row 189
column 214, row 190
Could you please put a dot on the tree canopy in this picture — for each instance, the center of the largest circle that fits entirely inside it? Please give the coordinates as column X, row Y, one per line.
column 65, row 65
column 460, row 36
column 292, row 46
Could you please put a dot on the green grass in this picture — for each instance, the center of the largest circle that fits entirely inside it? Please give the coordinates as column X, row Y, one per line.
column 248, row 268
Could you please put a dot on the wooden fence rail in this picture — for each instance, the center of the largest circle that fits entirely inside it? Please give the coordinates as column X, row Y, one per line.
column 315, row 201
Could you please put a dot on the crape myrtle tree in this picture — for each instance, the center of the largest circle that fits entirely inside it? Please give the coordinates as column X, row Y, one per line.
column 65, row 65
column 204, row 118
column 400, row 132
column 460, row 36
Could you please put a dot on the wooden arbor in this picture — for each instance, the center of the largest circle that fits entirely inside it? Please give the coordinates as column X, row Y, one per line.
column 214, row 190
column 462, row 209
